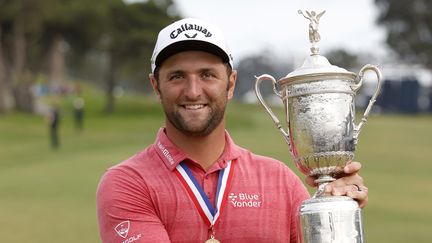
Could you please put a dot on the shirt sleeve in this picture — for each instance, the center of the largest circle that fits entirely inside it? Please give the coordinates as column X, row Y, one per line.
column 125, row 210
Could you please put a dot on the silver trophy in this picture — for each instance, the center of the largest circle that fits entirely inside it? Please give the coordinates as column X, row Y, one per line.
column 322, row 135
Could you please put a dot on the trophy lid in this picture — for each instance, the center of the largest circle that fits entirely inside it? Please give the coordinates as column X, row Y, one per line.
column 316, row 65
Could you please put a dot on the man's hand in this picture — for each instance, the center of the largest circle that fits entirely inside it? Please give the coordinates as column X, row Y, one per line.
column 350, row 184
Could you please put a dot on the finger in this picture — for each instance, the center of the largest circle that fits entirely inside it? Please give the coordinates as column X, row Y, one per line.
column 347, row 181
column 344, row 190
column 360, row 196
column 352, row 167
column 328, row 189
column 310, row 180
column 358, row 193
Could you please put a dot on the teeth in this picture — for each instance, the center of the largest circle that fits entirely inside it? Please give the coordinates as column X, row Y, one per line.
column 193, row 107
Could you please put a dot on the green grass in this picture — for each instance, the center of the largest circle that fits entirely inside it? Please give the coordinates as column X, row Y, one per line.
column 49, row 196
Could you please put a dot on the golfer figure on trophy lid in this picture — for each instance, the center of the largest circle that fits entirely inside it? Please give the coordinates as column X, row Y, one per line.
column 314, row 36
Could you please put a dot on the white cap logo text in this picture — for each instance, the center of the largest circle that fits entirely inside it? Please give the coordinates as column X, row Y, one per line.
column 185, row 27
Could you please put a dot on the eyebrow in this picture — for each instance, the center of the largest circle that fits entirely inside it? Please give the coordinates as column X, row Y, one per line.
column 207, row 70
column 176, row 72
column 201, row 70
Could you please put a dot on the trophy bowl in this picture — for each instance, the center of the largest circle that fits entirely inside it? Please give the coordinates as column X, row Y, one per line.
column 319, row 106
column 321, row 134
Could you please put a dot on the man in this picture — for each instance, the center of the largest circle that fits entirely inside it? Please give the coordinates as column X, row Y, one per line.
column 54, row 122
column 194, row 184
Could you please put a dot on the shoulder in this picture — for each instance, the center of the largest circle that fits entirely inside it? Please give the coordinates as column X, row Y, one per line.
column 140, row 174
column 126, row 175
column 119, row 180
column 137, row 165
column 124, row 188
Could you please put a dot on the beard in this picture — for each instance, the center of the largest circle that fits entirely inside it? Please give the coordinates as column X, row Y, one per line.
column 204, row 128
column 198, row 126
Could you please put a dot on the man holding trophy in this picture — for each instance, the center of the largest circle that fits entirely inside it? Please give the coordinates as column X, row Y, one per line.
column 194, row 184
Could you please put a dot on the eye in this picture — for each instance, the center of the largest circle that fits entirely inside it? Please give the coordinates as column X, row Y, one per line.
column 208, row 75
column 175, row 76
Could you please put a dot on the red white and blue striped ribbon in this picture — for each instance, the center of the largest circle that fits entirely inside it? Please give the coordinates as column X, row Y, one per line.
column 205, row 208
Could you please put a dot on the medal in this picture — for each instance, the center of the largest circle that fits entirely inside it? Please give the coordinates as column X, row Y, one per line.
column 212, row 241
column 212, row 238
column 208, row 213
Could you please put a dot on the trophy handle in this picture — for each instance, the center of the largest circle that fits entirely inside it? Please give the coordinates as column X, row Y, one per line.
column 367, row 67
column 259, row 79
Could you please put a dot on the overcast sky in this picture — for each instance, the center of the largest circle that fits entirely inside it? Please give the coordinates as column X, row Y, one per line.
column 252, row 26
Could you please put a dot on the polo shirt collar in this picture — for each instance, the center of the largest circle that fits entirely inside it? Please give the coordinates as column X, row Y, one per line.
column 171, row 155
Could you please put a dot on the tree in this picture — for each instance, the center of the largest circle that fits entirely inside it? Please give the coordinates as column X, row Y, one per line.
column 4, row 87
column 409, row 26
column 32, row 28
column 34, row 34
column 130, row 39
column 18, row 20
column 73, row 23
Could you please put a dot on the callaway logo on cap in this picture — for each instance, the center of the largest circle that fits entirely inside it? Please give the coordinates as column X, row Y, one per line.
column 186, row 35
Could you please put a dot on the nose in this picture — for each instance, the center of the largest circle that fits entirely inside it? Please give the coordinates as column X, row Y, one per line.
column 193, row 89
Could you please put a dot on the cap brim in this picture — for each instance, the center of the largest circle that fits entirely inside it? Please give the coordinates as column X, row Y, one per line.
column 190, row 45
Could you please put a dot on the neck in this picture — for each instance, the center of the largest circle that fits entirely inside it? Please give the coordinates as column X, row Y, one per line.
column 204, row 150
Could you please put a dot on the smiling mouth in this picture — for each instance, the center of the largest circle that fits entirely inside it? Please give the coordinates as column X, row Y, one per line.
column 193, row 107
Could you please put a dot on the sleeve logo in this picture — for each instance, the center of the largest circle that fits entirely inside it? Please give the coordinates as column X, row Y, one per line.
column 122, row 229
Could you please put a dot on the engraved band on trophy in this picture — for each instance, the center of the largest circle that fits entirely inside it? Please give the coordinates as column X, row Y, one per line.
column 322, row 134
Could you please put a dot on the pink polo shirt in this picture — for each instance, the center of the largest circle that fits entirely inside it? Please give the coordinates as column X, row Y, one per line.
column 142, row 200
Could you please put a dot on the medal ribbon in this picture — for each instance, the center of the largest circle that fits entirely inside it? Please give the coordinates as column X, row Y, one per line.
column 209, row 214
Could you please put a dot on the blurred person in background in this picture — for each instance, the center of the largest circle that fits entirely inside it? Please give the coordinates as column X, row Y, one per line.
column 53, row 123
column 78, row 106
column 194, row 184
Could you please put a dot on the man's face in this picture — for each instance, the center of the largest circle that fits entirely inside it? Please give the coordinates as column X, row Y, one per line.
column 194, row 88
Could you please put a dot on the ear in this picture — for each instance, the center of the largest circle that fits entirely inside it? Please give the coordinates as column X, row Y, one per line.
column 231, row 83
column 154, row 84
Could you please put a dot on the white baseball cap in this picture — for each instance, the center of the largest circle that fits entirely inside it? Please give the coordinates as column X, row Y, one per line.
column 190, row 34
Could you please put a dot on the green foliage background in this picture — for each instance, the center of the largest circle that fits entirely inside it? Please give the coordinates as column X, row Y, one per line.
column 49, row 196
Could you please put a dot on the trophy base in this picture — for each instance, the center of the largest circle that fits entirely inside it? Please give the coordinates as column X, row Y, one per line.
column 330, row 219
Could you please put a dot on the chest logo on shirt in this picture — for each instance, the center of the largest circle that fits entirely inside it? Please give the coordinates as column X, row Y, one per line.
column 245, row 200
column 122, row 229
